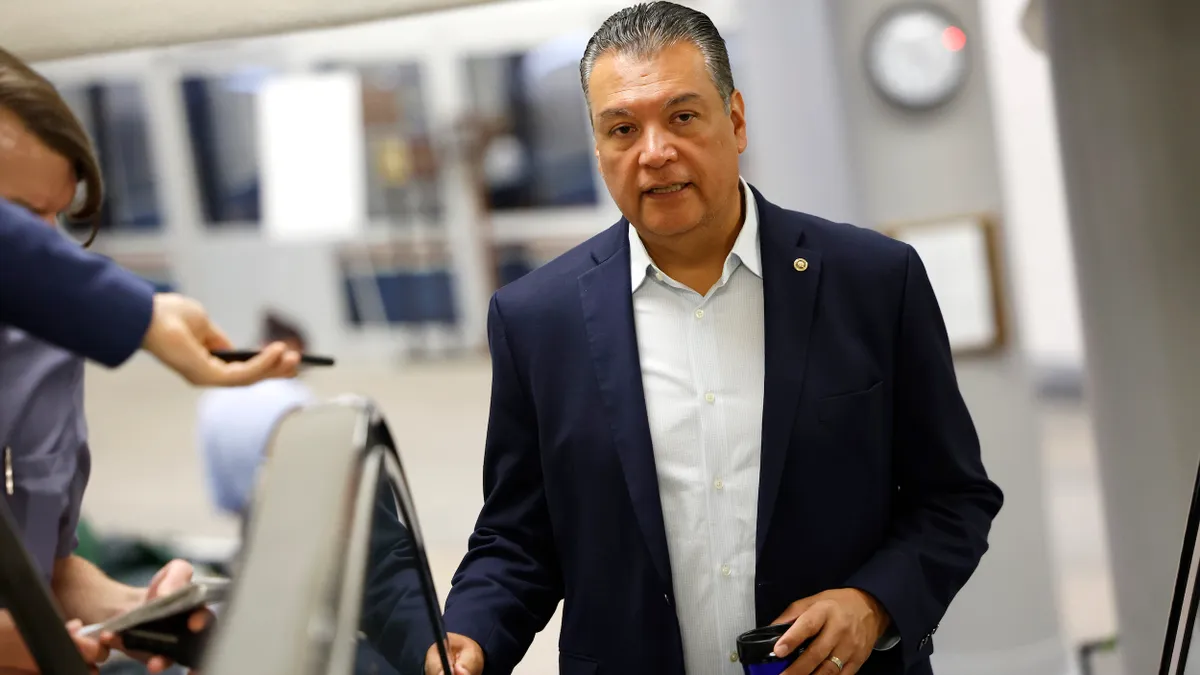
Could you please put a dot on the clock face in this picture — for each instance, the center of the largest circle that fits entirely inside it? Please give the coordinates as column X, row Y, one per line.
column 917, row 57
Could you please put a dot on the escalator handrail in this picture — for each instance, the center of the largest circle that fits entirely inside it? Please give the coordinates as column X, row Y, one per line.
column 1183, row 589
column 289, row 611
column 27, row 598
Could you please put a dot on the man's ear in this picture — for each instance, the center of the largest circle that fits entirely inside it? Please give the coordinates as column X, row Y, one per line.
column 737, row 114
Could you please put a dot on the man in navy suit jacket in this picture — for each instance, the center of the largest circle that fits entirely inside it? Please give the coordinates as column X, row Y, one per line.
column 715, row 415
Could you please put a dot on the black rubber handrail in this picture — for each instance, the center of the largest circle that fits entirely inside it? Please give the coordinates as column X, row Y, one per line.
column 1182, row 578
column 27, row 598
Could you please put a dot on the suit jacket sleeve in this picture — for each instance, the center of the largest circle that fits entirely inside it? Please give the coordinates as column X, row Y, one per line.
column 52, row 288
column 945, row 502
column 509, row 582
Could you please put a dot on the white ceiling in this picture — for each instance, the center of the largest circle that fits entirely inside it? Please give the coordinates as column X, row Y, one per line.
column 39, row 30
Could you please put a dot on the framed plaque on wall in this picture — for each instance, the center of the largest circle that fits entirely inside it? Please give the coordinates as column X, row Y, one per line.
column 961, row 254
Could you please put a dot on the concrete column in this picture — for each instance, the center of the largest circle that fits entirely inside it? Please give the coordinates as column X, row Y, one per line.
column 1129, row 117
column 469, row 262
column 825, row 143
column 799, row 151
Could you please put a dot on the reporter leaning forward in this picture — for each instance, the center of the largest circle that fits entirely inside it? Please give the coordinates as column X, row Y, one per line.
column 715, row 415
column 44, row 156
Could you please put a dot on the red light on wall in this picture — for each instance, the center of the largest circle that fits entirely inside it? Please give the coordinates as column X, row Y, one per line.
column 954, row 39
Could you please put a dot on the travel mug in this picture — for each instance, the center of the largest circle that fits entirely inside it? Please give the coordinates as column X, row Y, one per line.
column 756, row 650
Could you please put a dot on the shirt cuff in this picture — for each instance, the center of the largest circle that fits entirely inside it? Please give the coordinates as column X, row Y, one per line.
column 889, row 639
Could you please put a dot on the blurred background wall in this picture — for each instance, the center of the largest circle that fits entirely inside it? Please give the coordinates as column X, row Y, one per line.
column 182, row 138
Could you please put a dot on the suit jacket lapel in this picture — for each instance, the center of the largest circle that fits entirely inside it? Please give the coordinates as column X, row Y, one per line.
column 791, row 274
column 608, row 317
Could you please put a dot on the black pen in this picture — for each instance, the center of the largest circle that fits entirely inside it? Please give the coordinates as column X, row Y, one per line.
column 232, row 355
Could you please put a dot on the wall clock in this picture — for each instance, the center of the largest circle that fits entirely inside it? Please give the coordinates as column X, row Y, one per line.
column 916, row 56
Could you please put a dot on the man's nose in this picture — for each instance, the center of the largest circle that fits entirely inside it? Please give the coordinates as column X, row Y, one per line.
column 657, row 149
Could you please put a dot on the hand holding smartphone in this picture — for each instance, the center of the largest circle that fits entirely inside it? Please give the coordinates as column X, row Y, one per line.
column 161, row 626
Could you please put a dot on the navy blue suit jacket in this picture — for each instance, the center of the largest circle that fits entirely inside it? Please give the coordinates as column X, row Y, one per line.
column 52, row 288
column 870, row 476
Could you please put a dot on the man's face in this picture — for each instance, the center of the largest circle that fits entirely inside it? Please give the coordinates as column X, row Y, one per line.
column 31, row 174
column 668, row 151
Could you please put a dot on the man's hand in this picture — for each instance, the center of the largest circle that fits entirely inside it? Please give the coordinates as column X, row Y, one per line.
column 466, row 657
column 173, row 576
column 181, row 336
column 846, row 622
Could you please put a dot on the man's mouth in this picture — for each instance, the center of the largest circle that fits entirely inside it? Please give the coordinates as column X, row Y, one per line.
column 667, row 189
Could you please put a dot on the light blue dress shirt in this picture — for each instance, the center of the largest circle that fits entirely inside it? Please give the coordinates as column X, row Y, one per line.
column 43, row 443
column 234, row 426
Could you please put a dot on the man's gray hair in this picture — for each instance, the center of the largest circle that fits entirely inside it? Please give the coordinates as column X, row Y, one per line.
column 649, row 27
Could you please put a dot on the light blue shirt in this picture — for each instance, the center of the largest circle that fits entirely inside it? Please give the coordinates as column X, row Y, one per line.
column 702, row 361
column 234, row 426
column 44, row 456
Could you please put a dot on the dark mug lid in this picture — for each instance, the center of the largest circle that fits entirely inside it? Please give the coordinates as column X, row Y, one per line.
column 758, row 645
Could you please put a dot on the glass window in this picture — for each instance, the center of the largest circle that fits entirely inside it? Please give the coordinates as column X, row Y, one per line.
column 402, row 167
column 163, row 281
column 530, row 109
column 114, row 115
column 409, row 285
column 513, row 261
column 154, row 268
column 222, row 125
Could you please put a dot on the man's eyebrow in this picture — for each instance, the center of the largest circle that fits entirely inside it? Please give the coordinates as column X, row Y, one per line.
column 681, row 99
column 610, row 113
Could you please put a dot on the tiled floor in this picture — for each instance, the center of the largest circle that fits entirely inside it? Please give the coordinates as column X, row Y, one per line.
column 147, row 477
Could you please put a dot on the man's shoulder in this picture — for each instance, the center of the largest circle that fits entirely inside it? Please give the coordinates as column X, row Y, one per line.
column 848, row 240
column 855, row 260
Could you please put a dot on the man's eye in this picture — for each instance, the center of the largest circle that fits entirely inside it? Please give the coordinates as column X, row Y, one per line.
column 686, row 117
column 621, row 130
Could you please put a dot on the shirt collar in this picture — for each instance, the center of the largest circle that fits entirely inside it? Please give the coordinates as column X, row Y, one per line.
column 745, row 247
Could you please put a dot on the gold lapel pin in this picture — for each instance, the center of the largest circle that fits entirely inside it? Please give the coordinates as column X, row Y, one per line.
column 800, row 264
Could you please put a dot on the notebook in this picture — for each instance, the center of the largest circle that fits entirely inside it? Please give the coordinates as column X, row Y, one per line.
column 197, row 595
